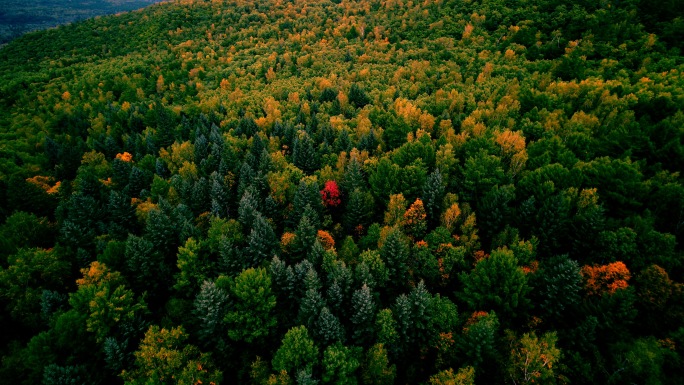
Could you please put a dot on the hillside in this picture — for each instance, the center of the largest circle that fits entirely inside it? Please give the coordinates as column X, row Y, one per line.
column 19, row 16
column 369, row 192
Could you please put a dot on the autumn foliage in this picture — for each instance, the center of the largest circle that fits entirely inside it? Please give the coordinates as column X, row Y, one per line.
column 287, row 239
column 327, row 241
column 331, row 194
column 410, row 187
column 414, row 219
column 605, row 278
column 125, row 157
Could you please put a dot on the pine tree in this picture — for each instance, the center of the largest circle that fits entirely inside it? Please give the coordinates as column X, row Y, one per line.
column 343, row 143
column 317, row 253
column 231, row 261
column 433, row 195
column 307, row 194
column 557, row 287
column 54, row 374
column 209, row 309
column 247, row 126
column 121, row 171
column 305, row 236
column 138, row 180
column 328, row 328
column 284, row 286
column 309, row 280
column 413, row 315
column 493, row 211
column 247, row 175
column 369, row 142
column 357, row 96
column 262, row 242
column 121, row 215
column 116, row 355
column 395, row 253
column 163, row 228
column 248, row 209
column 201, row 196
column 363, row 307
column 311, row 305
column 353, row 177
column 304, row 154
column 358, row 211
column 201, row 145
column 340, row 282
column 219, row 198
column 146, row 267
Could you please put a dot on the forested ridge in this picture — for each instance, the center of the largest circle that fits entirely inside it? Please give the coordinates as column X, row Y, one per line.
column 20, row 16
column 345, row 192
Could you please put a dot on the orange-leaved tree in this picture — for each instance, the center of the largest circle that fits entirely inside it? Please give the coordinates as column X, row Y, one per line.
column 605, row 278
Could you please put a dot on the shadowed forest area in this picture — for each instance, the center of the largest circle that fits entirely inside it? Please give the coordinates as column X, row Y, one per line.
column 21, row 16
column 345, row 192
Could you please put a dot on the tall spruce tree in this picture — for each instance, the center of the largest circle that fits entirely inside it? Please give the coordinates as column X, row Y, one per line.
column 262, row 242
column 363, row 314
column 433, row 195
column 395, row 254
column 304, row 154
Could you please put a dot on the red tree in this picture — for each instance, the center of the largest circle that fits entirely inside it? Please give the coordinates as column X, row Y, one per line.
column 331, row 194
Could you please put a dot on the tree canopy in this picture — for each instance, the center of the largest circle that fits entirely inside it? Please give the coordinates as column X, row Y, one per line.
column 359, row 192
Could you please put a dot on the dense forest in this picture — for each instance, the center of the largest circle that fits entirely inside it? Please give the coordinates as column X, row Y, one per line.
column 345, row 192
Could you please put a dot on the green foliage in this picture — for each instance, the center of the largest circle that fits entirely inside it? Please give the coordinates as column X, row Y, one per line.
column 464, row 376
column 486, row 152
column 328, row 328
column 433, row 195
column 31, row 271
column 210, row 307
column 340, row 364
column 251, row 317
column 363, row 314
column 261, row 243
column 192, row 267
column 533, row 359
column 478, row 342
column 24, row 230
column 376, row 369
column 106, row 301
column 394, row 253
column 557, row 286
column 358, row 211
column 357, row 96
column 386, row 326
column 304, row 155
column 497, row 283
column 297, row 351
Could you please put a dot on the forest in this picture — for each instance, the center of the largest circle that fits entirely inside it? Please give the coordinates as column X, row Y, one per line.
column 298, row 192
column 20, row 16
